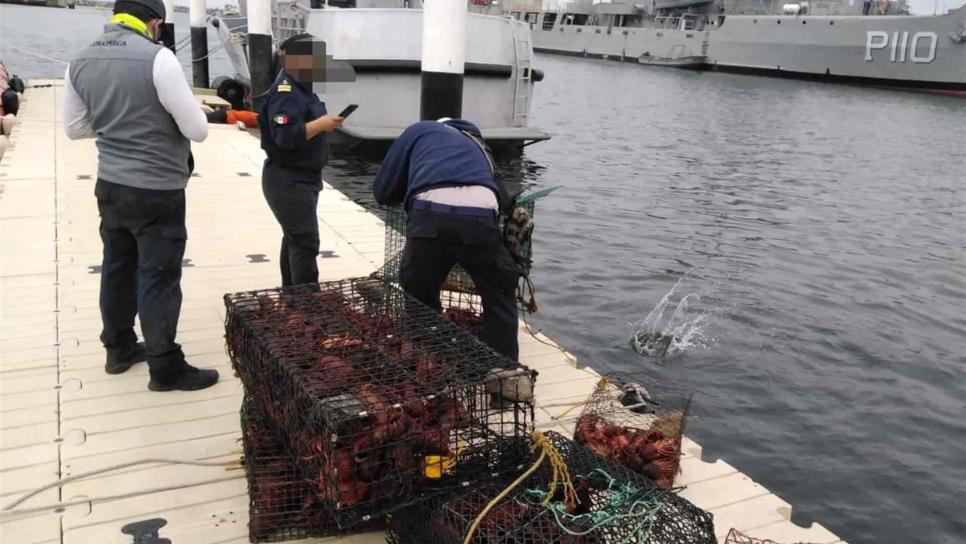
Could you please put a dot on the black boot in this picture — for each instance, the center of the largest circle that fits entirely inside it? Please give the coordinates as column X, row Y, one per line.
column 119, row 360
column 187, row 379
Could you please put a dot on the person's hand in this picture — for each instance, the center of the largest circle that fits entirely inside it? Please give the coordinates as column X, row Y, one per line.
column 328, row 123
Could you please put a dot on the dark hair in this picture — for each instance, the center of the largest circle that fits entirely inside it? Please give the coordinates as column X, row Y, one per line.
column 297, row 43
column 140, row 11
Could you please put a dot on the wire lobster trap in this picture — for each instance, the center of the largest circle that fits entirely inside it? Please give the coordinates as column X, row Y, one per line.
column 613, row 505
column 459, row 297
column 635, row 427
column 282, row 505
column 377, row 396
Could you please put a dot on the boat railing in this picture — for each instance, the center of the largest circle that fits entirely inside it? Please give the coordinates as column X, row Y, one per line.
column 522, row 88
column 687, row 21
column 289, row 18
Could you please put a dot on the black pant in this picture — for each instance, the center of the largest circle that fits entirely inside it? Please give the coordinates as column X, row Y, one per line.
column 10, row 102
column 144, row 238
column 437, row 241
column 293, row 196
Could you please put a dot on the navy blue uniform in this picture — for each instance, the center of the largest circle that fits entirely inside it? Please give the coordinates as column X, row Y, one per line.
column 431, row 155
column 292, row 174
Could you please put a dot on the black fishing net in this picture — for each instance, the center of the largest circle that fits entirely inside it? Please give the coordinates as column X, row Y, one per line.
column 637, row 422
column 378, row 397
column 616, row 505
column 736, row 537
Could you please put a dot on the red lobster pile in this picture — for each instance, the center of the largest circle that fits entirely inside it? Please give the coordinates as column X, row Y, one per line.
column 652, row 452
column 375, row 391
column 466, row 318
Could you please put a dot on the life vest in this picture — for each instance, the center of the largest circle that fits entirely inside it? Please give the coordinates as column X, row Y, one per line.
column 250, row 118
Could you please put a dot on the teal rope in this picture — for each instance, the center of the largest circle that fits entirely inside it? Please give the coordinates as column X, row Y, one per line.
column 637, row 503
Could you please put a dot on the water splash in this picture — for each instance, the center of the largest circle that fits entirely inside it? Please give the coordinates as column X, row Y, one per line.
column 684, row 330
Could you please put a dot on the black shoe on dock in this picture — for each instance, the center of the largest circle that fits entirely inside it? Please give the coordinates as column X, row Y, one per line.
column 190, row 379
column 120, row 360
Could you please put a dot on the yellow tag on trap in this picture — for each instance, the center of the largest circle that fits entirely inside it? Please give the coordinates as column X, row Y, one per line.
column 438, row 465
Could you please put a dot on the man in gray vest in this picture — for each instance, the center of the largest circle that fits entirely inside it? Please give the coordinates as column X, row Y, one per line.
column 129, row 92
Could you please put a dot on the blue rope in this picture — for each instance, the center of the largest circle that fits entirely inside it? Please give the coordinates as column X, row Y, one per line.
column 641, row 504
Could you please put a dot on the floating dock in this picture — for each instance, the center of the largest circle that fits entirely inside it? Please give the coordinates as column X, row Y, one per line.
column 61, row 414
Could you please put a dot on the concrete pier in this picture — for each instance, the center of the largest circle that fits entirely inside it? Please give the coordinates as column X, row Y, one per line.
column 61, row 415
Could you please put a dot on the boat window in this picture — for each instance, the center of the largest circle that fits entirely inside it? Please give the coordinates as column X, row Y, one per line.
column 548, row 20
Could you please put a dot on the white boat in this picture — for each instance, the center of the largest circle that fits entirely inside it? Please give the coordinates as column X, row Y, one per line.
column 382, row 41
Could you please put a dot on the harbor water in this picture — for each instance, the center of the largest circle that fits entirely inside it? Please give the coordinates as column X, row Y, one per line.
column 38, row 42
column 817, row 231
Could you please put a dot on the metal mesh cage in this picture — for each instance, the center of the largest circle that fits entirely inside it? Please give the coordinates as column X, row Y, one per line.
column 736, row 537
column 616, row 505
column 459, row 280
column 281, row 504
column 377, row 396
column 639, row 424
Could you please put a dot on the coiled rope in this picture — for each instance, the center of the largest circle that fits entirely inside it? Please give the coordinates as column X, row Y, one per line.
column 561, row 476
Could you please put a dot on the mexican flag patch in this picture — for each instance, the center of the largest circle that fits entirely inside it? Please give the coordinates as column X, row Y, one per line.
column 281, row 119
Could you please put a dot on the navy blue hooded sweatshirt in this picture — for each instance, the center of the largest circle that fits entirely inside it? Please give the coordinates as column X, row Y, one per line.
column 430, row 155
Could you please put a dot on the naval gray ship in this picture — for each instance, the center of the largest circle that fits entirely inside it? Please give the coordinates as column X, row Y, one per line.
column 874, row 42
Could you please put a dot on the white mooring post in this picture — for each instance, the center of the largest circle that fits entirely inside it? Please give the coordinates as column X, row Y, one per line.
column 197, row 14
column 260, row 48
column 444, row 53
column 169, row 24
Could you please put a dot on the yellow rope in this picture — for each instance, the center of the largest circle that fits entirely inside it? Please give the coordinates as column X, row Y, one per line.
column 601, row 385
column 561, row 476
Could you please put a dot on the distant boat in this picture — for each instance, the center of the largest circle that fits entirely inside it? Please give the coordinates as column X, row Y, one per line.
column 873, row 42
column 230, row 10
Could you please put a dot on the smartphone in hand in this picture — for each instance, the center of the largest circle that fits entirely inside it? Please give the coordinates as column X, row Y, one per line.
column 348, row 110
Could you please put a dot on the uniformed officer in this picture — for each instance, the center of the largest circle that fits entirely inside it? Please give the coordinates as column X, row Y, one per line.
column 443, row 174
column 293, row 124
